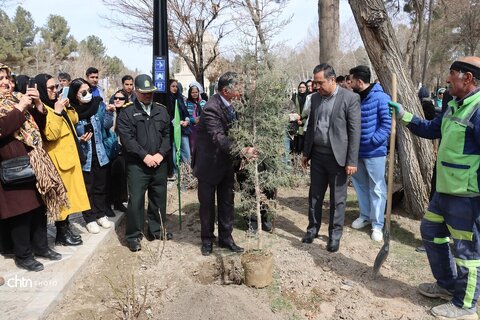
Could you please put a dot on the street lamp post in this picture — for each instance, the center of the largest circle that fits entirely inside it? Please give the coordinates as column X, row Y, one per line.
column 160, row 51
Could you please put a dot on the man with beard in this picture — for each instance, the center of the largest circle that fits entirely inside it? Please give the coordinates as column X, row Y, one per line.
column 369, row 180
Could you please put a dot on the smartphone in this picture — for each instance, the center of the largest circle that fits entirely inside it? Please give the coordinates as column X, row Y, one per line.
column 31, row 83
column 65, row 92
column 88, row 128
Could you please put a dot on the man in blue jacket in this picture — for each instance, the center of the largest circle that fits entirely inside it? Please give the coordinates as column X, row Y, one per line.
column 369, row 180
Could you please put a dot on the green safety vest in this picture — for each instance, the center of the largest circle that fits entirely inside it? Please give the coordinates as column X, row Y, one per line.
column 457, row 172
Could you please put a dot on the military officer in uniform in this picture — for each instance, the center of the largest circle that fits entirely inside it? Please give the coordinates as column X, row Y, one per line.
column 144, row 131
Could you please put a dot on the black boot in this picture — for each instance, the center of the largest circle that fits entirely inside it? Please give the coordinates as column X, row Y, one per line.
column 72, row 234
column 64, row 236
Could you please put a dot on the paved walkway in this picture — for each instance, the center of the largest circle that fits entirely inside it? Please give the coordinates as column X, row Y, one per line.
column 32, row 295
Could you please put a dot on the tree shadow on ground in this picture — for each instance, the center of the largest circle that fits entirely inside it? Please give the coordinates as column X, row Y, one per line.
column 351, row 269
column 300, row 205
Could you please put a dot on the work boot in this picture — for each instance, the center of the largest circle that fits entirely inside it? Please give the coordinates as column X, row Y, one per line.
column 451, row 311
column 433, row 290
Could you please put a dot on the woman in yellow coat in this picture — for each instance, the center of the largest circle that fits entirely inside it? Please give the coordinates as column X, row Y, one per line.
column 62, row 145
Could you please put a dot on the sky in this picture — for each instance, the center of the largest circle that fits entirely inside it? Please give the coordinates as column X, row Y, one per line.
column 84, row 19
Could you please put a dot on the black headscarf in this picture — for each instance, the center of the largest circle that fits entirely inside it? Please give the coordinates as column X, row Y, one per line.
column 41, row 80
column 302, row 97
column 85, row 111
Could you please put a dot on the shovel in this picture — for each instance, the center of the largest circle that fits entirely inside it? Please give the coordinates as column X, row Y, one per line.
column 383, row 253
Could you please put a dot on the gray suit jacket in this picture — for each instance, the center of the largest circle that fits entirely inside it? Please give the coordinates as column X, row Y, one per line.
column 345, row 127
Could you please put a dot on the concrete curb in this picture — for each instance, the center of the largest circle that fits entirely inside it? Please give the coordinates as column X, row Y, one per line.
column 32, row 295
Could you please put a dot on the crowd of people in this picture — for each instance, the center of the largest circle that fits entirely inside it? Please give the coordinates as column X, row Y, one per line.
column 86, row 154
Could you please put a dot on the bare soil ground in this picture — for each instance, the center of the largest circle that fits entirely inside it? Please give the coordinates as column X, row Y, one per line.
column 172, row 280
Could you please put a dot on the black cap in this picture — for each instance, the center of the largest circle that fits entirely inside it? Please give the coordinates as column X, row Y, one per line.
column 144, row 83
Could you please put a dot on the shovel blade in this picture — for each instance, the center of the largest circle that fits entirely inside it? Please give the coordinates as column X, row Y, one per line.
column 382, row 254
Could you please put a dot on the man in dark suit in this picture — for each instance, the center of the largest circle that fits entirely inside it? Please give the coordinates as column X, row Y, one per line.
column 212, row 164
column 331, row 143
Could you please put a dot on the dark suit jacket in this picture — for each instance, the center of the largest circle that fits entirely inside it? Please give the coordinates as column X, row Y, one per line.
column 212, row 160
column 345, row 127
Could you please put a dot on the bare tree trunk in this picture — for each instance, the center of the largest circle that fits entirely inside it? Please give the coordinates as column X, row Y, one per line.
column 256, row 14
column 427, row 41
column 329, row 29
column 416, row 155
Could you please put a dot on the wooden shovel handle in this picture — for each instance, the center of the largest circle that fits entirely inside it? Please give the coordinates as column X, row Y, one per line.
column 391, row 157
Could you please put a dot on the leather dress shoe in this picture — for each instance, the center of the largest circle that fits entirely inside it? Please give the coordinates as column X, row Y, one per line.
column 267, row 226
column 169, row 236
column 308, row 238
column 333, row 245
column 230, row 246
column 159, row 236
column 29, row 264
column 49, row 254
column 134, row 245
column 207, row 248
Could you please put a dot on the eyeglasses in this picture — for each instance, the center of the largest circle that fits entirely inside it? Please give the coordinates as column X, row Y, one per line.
column 119, row 98
column 51, row 88
column 84, row 92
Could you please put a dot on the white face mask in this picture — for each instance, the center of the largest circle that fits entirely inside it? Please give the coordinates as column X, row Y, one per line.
column 87, row 98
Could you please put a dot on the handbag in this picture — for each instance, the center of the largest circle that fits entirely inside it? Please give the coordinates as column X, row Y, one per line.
column 16, row 171
column 110, row 140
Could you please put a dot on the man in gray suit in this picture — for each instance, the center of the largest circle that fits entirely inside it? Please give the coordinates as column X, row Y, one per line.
column 331, row 143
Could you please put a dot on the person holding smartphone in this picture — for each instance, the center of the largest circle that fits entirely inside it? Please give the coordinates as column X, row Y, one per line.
column 61, row 143
column 23, row 207
column 94, row 118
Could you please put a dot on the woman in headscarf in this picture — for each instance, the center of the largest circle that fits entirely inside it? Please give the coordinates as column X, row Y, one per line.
column 195, row 105
column 24, row 207
column 61, row 143
column 175, row 98
column 94, row 119
column 298, row 99
column 118, row 191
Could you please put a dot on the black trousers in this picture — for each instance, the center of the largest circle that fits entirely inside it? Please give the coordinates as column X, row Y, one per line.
column 117, row 181
column 225, row 203
column 96, row 185
column 28, row 232
column 140, row 179
column 325, row 172
column 6, row 245
column 297, row 144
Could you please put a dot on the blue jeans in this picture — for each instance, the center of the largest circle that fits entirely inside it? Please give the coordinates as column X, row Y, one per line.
column 371, row 188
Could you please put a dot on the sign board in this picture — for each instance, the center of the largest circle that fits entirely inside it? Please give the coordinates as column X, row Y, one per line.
column 159, row 72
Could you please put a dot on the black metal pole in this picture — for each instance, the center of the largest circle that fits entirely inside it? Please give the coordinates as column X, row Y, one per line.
column 160, row 51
